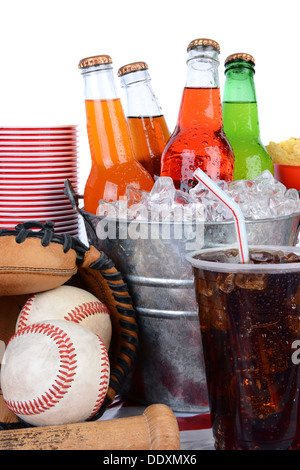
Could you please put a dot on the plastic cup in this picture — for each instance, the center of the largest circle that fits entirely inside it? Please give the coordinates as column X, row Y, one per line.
column 250, row 328
column 289, row 175
column 35, row 153
column 38, row 142
column 37, row 148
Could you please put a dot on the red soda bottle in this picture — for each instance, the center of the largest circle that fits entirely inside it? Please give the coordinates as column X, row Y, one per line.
column 199, row 140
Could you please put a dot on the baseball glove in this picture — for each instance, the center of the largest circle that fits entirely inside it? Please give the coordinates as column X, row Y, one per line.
column 33, row 258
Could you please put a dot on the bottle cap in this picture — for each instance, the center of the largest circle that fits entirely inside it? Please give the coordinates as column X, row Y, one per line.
column 133, row 67
column 240, row 56
column 203, row 42
column 94, row 60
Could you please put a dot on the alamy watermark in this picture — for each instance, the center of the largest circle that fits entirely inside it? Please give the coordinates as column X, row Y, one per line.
column 295, row 356
column 178, row 224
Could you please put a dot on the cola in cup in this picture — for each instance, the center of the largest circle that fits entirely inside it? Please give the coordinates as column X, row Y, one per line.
column 250, row 328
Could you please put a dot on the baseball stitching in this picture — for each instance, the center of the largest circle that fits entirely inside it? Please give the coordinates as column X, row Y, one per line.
column 64, row 379
column 85, row 310
column 77, row 314
column 25, row 312
column 104, row 378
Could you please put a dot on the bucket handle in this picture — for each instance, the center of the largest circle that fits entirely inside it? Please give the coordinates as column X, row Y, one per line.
column 74, row 199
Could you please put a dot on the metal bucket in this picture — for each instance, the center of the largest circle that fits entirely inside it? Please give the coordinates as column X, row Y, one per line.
column 170, row 367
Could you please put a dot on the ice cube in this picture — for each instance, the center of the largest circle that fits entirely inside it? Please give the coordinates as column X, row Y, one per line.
column 268, row 185
column 222, row 185
column 198, row 212
column 182, row 198
column 225, row 282
column 262, row 198
column 198, row 192
column 290, row 258
column 206, row 283
column 292, row 312
column 182, row 213
column 135, row 195
column 216, row 211
column 240, row 190
column 163, row 190
column 217, row 311
column 281, row 206
column 269, row 257
column 289, row 203
column 265, row 175
column 292, row 195
column 257, row 209
column 138, row 211
column 251, row 281
column 109, row 210
column 154, row 211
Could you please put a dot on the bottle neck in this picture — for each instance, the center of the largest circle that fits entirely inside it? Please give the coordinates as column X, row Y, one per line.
column 139, row 95
column 99, row 83
column 201, row 102
column 107, row 127
column 239, row 83
column 203, row 69
column 240, row 111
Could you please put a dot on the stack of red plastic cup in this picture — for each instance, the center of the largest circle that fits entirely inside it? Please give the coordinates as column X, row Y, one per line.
column 34, row 164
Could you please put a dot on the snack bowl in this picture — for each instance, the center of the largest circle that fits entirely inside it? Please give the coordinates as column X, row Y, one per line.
column 289, row 175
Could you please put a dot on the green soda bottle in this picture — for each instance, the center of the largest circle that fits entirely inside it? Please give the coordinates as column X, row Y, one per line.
column 240, row 118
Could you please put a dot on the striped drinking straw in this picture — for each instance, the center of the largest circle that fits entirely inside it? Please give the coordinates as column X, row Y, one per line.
column 233, row 207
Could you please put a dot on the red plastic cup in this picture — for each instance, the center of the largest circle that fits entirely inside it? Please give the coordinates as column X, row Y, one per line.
column 289, row 175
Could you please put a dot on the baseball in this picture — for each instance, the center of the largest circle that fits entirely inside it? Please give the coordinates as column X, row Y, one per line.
column 68, row 303
column 54, row 372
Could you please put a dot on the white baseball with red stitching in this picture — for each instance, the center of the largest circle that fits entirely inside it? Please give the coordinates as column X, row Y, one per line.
column 68, row 303
column 54, row 372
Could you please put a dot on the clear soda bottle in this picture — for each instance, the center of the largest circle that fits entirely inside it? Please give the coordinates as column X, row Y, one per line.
column 240, row 117
column 113, row 166
column 147, row 124
column 198, row 140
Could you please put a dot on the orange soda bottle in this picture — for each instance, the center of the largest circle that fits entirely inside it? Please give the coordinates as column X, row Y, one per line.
column 199, row 140
column 113, row 166
column 147, row 125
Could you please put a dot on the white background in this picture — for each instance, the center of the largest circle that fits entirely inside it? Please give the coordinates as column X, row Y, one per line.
column 43, row 41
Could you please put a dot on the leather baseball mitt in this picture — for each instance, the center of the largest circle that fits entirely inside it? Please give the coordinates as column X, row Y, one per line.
column 33, row 258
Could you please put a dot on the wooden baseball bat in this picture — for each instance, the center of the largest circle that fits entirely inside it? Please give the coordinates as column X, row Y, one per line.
column 155, row 429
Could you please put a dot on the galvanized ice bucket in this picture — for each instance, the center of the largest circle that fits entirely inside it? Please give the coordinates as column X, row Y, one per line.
column 151, row 257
